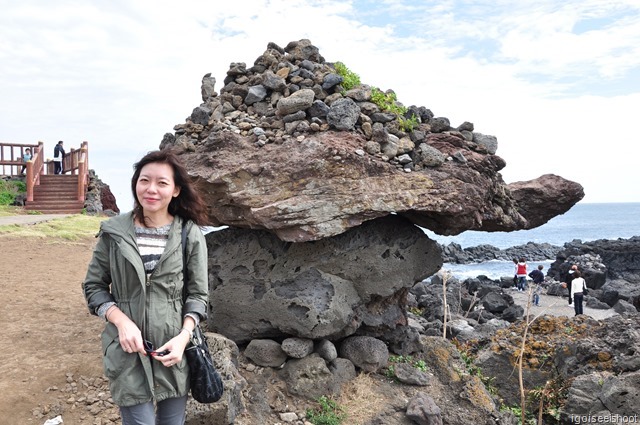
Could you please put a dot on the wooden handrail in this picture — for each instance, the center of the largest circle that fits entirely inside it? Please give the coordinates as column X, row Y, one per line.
column 75, row 161
column 35, row 167
column 11, row 158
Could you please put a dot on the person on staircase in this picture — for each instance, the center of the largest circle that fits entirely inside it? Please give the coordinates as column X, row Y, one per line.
column 26, row 157
column 58, row 157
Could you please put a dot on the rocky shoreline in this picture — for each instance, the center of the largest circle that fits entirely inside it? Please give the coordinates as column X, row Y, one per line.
column 453, row 253
column 611, row 268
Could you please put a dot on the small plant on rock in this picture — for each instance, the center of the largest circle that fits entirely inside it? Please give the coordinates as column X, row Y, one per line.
column 517, row 411
column 550, row 398
column 328, row 413
column 468, row 352
column 419, row 364
column 349, row 78
column 417, row 311
column 387, row 101
column 408, row 124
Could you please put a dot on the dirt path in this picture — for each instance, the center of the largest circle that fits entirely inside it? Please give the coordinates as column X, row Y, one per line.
column 47, row 332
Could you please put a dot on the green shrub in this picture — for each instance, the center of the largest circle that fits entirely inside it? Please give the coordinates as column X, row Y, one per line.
column 388, row 102
column 408, row 124
column 328, row 413
column 6, row 198
column 9, row 190
column 20, row 186
column 350, row 78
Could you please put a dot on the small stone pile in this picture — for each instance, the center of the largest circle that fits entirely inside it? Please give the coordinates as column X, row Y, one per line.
column 291, row 92
column 89, row 395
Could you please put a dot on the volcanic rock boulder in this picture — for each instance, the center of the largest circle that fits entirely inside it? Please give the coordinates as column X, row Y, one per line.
column 288, row 148
column 262, row 287
column 320, row 186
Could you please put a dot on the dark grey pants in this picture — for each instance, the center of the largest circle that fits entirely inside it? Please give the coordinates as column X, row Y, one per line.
column 171, row 411
column 577, row 302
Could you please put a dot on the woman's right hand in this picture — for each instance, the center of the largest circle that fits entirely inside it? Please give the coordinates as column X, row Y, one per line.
column 128, row 332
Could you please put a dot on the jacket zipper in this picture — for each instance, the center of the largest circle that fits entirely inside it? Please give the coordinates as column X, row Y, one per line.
column 148, row 297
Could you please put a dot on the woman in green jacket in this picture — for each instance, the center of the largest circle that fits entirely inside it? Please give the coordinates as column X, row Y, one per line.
column 135, row 283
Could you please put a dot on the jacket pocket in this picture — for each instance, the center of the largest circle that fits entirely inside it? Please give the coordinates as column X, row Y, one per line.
column 114, row 359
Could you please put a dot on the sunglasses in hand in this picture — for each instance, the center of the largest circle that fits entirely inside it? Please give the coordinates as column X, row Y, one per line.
column 150, row 349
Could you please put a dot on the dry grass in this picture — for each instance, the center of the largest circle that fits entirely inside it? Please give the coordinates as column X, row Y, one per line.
column 70, row 228
column 357, row 398
column 8, row 210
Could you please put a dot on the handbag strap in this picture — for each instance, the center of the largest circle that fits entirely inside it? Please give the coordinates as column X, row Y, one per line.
column 196, row 336
column 185, row 274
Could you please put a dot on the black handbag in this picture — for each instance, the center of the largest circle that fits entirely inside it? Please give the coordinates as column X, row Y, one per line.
column 204, row 380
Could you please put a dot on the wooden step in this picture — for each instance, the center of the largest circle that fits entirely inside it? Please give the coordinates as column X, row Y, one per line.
column 58, row 208
column 61, row 210
column 56, row 194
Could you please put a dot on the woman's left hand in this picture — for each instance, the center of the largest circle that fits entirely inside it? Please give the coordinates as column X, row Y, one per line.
column 174, row 348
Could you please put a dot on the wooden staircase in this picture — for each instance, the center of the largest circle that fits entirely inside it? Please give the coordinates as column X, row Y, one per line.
column 56, row 194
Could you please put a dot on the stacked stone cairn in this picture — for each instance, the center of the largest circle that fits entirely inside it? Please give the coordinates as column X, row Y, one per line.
column 292, row 91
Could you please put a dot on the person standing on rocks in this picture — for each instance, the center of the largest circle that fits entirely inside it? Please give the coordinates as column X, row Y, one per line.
column 568, row 279
column 578, row 286
column 538, row 277
column 58, row 158
column 521, row 272
column 134, row 282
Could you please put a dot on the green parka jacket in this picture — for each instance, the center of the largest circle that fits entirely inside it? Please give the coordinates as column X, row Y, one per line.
column 154, row 303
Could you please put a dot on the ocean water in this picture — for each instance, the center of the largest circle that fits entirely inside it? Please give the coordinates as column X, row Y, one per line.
column 586, row 222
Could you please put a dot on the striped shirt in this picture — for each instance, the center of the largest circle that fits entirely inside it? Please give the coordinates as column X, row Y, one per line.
column 151, row 244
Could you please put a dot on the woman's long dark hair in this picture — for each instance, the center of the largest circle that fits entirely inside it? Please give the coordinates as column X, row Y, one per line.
column 188, row 204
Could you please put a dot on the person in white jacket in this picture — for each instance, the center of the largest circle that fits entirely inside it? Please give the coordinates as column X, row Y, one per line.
column 578, row 286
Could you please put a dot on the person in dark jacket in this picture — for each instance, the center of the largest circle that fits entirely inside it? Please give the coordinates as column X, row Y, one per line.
column 58, row 158
column 538, row 277
column 135, row 283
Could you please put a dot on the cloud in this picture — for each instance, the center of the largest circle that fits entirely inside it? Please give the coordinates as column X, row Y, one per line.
column 555, row 82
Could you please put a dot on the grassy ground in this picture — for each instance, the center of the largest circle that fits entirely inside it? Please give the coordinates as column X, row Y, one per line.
column 72, row 228
column 6, row 210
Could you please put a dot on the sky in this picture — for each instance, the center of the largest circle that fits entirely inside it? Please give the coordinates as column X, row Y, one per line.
column 558, row 83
